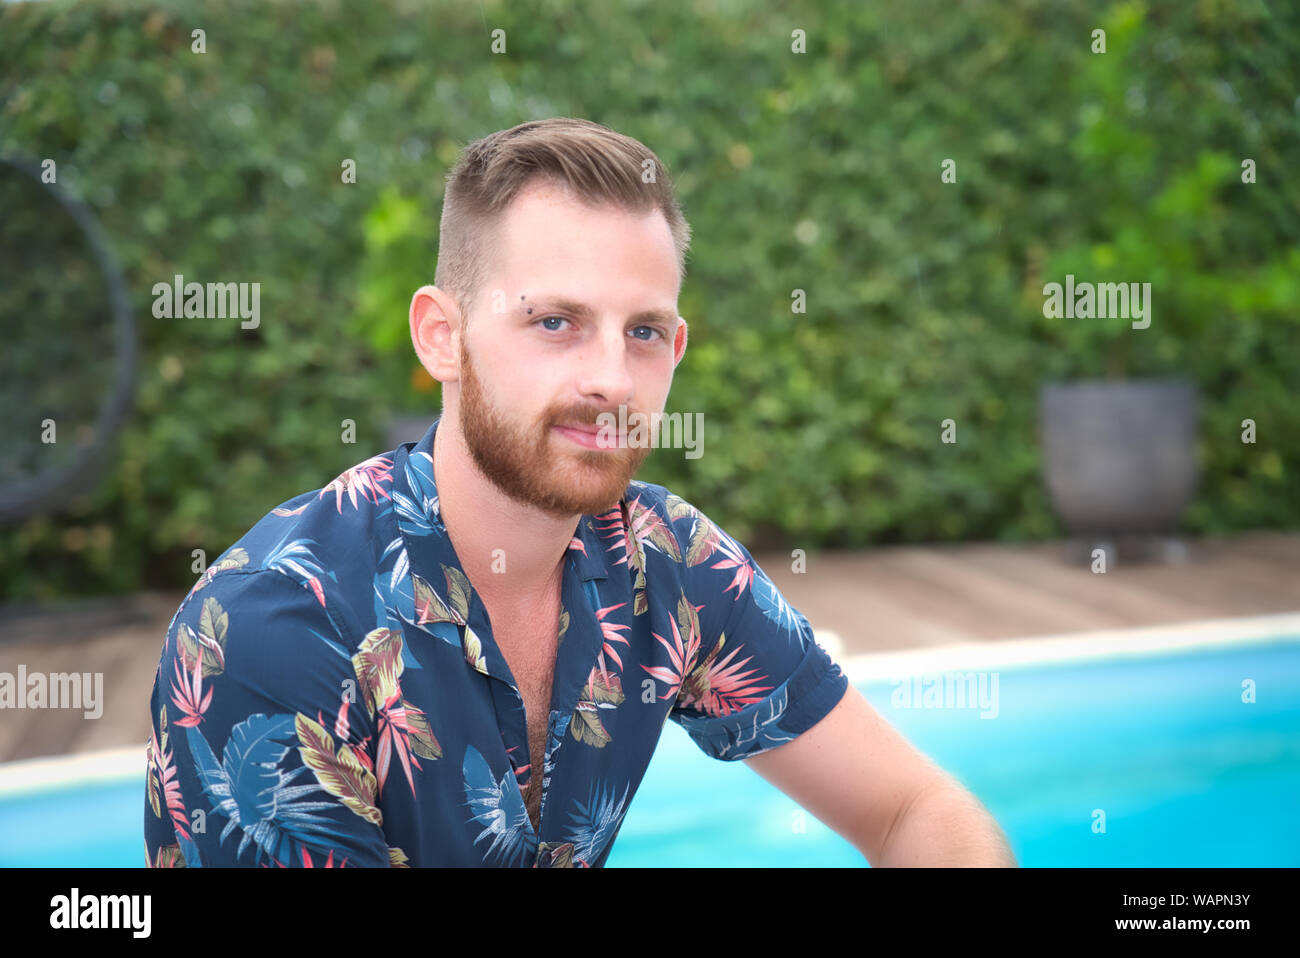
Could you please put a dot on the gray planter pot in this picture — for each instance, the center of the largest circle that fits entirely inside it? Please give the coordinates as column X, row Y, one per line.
column 1119, row 456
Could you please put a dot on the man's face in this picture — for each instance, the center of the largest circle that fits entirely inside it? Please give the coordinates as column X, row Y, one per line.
column 531, row 365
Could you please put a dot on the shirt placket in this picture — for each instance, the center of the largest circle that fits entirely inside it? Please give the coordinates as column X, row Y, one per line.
column 574, row 659
column 507, row 701
column 573, row 663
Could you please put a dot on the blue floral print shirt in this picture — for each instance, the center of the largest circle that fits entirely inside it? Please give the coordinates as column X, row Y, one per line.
column 330, row 694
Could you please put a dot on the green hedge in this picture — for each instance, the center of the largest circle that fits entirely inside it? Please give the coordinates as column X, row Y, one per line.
column 818, row 172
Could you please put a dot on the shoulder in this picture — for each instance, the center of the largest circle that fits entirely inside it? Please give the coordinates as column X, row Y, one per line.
column 695, row 536
column 262, row 622
column 717, row 573
column 317, row 552
column 709, row 567
column 666, row 505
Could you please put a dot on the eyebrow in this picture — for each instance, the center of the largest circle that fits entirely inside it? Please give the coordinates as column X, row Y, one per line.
column 560, row 304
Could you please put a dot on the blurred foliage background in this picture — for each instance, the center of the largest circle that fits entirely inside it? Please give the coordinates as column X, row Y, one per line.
column 817, row 171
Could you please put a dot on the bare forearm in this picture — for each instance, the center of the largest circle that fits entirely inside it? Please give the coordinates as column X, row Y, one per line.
column 946, row 826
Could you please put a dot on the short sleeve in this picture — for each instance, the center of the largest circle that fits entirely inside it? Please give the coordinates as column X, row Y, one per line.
column 259, row 752
column 760, row 678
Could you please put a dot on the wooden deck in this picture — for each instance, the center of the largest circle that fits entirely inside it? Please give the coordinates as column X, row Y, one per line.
column 906, row 597
column 873, row 600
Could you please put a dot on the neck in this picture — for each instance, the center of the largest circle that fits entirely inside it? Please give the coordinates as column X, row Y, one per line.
column 512, row 553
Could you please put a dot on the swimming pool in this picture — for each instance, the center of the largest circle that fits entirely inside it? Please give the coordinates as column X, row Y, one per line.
column 1150, row 729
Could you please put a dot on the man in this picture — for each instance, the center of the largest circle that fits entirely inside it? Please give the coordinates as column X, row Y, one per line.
column 463, row 652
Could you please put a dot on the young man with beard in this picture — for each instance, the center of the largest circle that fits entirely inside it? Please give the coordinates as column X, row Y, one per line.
column 463, row 652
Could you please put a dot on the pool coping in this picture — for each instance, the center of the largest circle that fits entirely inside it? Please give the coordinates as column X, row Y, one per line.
column 1142, row 641
column 118, row 764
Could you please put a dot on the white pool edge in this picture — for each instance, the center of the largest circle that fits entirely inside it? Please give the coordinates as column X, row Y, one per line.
column 66, row 771
column 1099, row 645
column 117, row 764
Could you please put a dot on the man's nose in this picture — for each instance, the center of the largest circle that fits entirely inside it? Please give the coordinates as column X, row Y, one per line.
column 604, row 369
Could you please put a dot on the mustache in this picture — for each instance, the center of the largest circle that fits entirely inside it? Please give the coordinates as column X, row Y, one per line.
column 585, row 416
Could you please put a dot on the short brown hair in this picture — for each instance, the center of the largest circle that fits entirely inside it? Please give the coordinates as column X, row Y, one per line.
column 597, row 164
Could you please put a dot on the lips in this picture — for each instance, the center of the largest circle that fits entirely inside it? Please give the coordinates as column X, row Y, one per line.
column 592, row 436
column 590, row 429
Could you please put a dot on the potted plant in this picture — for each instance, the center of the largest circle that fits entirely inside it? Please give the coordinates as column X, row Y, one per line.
column 1119, row 450
column 1119, row 461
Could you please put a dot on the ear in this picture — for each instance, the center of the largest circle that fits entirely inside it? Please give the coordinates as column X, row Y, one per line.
column 436, row 328
column 679, row 341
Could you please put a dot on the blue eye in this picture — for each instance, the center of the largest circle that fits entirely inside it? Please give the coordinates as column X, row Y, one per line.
column 658, row 332
column 547, row 319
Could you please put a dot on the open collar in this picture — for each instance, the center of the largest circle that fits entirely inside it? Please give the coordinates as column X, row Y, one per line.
column 414, row 480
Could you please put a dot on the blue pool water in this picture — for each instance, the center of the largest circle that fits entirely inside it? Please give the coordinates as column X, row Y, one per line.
column 1186, row 773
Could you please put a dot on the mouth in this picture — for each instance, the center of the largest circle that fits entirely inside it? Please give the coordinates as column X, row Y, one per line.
column 585, row 435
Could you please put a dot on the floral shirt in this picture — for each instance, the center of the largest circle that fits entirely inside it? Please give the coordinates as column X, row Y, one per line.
column 329, row 693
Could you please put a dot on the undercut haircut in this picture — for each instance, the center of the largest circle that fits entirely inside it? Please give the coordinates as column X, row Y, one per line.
column 592, row 162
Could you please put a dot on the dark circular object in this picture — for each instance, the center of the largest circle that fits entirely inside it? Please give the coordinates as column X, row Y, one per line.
column 69, row 344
